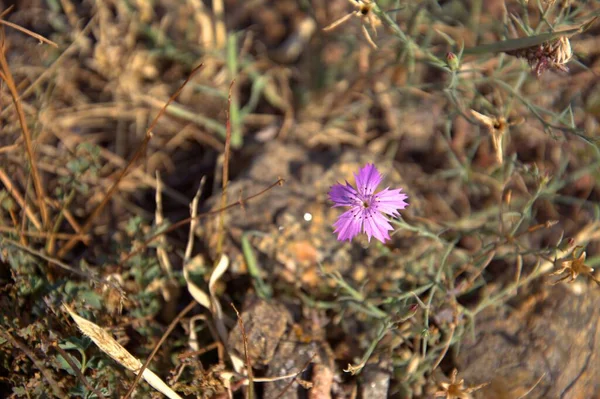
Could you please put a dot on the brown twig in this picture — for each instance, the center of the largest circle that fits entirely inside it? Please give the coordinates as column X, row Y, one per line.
column 50, row 243
column 62, row 265
column 10, row 83
column 28, row 32
column 288, row 386
column 42, row 234
column 37, row 362
column 189, row 307
column 533, row 387
column 246, row 356
column 199, row 352
column 225, row 178
column 88, row 223
column 10, row 187
column 50, row 71
column 76, row 370
column 68, row 215
column 5, row 12
column 446, row 347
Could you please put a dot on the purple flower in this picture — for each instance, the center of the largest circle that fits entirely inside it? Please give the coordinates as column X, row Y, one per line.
column 366, row 207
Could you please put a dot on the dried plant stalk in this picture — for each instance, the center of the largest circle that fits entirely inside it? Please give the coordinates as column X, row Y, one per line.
column 113, row 349
column 220, row 29
column 35, row 174
column 13, row 190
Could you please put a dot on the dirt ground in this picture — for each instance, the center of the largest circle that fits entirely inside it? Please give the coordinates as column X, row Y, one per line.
column 166, row 227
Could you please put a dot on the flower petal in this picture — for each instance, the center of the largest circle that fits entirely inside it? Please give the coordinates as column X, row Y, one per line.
column 389, row 201
column 376, row 225
column 367, row 180
column 349, row 224
column 343, row 195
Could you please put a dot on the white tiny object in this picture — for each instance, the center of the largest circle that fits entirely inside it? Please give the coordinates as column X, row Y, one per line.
column 577, row 288
column 307, row 217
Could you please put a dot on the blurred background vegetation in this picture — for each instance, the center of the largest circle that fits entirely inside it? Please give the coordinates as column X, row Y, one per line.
column 486, row 113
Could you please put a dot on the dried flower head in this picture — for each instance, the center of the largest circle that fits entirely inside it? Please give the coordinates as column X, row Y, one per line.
column 549, row 55
column 367, row 208
column 496, row 127
column 456, row 390
column 574, row 266
column 363, row 9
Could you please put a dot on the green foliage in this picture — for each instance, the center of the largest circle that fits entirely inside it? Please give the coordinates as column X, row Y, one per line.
column 83, row 167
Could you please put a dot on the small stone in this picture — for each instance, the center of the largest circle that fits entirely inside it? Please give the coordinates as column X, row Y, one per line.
column 264, row 324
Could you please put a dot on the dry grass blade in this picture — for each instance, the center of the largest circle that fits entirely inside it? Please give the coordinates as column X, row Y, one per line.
column 217, row 311
column 183, row 222
column 529, row 41
column 196, row 292
column 28, row 32
column 225, row 172
column 5, row 12
column 10, row 187
column 41, row 234
column 12, row 87
column 113, row 349
column 211, row 301
column 193, row 335
column 51, row 70
column 189, row 248
column 161, row 252
column 144, row 367
column 88, row 223
column 533, row 387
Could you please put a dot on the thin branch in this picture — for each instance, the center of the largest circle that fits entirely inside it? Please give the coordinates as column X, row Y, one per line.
column 10, row 83
column 185, row 221
column 43, row 234
column 185, row 311
column 246, row 356
column 76, row 370
column 285, row 389
column 225, row 178
column 10, row 187
column 142, row 148
column 28, row 32
column 5, row 12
